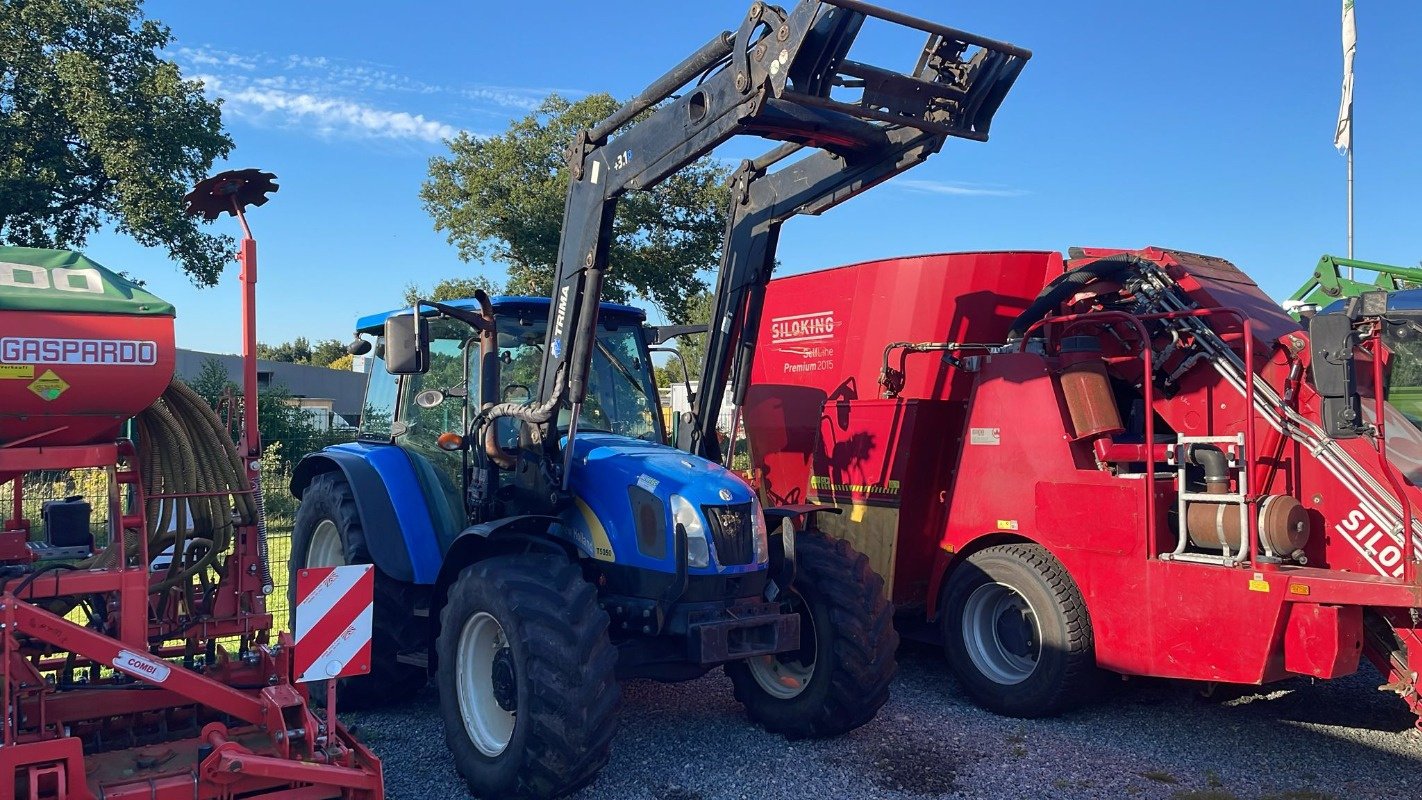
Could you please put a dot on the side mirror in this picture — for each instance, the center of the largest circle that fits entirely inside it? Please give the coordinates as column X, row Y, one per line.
column 664, row 333
column 407, row 344
column 1331, row 341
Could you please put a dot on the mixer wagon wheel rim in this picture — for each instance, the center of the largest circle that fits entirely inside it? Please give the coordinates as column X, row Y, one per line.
column 1002, row 633
column 487, row 699
column 326, row 548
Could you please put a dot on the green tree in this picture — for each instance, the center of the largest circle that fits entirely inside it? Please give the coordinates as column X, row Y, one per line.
column 327, row 352
column 501, row 198
column 212, row 381
column 97, row 128
column 279, row 420
column 296, row 351
column 301, row 351
column 450, row 289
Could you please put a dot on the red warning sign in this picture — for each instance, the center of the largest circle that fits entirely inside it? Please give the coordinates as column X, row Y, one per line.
column 334, row 608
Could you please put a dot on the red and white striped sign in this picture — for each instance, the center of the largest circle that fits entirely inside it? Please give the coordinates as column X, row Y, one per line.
column 334, row 607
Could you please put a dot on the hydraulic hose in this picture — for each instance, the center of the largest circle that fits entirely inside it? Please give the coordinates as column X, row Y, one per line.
column 1069, row 283
column 533, row 415
column 185, row 449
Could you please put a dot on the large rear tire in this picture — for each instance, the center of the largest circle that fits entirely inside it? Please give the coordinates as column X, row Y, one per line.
column 328, row 533
column 526, row 677
column 839, row 678
column 1017, row 633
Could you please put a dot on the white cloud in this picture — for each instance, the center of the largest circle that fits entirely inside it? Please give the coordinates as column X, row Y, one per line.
column 207, row 57
column 956, row 188
column 326, row 116
column 334, row 97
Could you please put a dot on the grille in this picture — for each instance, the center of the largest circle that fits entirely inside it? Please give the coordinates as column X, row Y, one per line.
column 731, row 533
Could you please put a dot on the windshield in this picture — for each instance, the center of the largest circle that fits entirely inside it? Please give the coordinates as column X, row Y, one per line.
column 1403, row 337
column 619, row 398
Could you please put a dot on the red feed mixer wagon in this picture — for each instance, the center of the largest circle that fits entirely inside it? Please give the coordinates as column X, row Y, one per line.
column 141, row 662
column 1126, row 462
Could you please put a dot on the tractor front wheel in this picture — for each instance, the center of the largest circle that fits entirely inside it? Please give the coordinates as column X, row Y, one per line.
column 328, row 533
column 526, row 677
column 1017, row 633
column 839, row 677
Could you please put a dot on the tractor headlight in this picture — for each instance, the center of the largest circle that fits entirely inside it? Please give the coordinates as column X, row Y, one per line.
column 758, row 530
column 698, row 551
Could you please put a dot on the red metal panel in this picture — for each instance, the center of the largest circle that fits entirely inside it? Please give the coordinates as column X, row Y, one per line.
column 1323, row 641
column 866, row 450
column 334, row 608
column 65, row 755
column 61, row 397
column 823, row 335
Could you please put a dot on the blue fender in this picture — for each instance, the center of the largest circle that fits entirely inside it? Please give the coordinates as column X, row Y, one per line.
column 393, row 509
column 486, row 538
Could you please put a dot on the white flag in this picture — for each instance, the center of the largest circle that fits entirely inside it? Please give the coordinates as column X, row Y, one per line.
column 1343, row 137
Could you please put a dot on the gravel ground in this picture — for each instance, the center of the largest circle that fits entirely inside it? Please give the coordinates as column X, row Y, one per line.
column 1150, row 739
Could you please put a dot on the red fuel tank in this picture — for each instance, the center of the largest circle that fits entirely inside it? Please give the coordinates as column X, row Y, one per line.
column 82, row 349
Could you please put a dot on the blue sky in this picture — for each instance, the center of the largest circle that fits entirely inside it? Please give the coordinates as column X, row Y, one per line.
column 1203, row 126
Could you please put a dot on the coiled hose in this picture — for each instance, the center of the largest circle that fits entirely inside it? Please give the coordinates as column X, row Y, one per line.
column 185, row 449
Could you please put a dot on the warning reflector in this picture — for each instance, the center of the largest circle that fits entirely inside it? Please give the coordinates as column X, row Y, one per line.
column 334, row 607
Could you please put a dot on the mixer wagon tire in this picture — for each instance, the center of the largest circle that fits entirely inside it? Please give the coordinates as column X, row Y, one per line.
column 839, row 678
column 526, row 677
column 1017, row 633
column 328, row 533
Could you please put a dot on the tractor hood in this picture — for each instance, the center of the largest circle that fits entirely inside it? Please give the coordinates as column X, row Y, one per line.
column 608, row 470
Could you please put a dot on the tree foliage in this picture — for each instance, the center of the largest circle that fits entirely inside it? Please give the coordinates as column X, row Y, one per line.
column 301, row 351
column 278, row 418
column 97, row 128
column 450, row 289
column 501, row 198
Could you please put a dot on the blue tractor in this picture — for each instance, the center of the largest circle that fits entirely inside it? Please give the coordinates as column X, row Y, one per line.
column 535, row 538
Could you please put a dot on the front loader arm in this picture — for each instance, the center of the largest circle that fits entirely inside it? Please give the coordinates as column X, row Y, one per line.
column 762, row 201
column 777, row 77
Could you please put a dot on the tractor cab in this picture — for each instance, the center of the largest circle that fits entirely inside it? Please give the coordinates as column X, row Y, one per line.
column 423, row 412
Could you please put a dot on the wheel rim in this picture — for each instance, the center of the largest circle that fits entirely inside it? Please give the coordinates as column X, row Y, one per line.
column 326, row 549
column 785, row 676
column 486, row 684
column 1001, row 633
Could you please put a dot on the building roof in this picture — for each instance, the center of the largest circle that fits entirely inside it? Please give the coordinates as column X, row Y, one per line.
column 344, row 388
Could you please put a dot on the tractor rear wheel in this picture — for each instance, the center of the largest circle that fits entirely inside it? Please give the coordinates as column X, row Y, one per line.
column 839, row 678
column 1017, row 633
column 526, row 677
column 328, row 533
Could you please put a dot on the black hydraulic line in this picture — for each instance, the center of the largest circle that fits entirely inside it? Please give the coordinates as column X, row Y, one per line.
column 1069, row 283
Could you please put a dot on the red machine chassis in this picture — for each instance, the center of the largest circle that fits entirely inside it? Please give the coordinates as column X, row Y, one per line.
column 956, row 455
column 159, row 699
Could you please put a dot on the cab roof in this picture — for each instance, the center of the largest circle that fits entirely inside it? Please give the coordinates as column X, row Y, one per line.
column 503, row 304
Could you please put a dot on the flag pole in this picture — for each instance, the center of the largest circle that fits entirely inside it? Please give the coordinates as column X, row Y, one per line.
column 1343, row 135
column 1350, row 208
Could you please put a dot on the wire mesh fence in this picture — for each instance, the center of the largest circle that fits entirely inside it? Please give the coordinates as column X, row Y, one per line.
column 279, row 458
column 41, row 487
column 91, row 486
